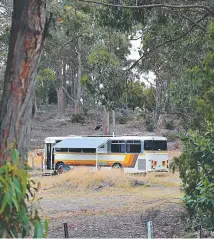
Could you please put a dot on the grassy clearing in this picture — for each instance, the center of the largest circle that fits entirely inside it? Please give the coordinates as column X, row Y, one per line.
column 81, row 179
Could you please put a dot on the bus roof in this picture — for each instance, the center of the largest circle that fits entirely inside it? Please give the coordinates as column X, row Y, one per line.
column 53, row 139
column 79, row 142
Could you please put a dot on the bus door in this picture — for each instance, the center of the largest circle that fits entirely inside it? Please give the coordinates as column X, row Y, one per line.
column 48, row 155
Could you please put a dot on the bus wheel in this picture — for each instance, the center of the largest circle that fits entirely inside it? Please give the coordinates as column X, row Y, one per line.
column 117, row 167
column 60, row 168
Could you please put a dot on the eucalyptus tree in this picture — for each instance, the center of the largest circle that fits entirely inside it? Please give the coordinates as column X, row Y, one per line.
column 25, row 48
column 169, row 53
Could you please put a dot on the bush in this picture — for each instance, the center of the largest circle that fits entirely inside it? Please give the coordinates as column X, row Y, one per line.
column 149, row 123
column 171, row 136
column 122, row 119
column 17, row 219
column 78, row 118
column 196, row 169
column 169, row 125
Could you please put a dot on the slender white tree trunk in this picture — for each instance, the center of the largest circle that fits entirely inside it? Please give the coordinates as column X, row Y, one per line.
column 113, row 122
column 79, row 76
column 106, row 126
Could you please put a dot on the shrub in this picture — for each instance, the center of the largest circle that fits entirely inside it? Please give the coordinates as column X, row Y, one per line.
column 149, row 123
column 17, row 219
column 171, row 136
column 169, row 124
column 196, row 169
column 122, row 119
column 78, row 118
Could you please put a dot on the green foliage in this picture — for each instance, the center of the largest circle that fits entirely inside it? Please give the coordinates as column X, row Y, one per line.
column 119, row 19
column 101, row 57
column 139, row 96
column 193, row 95
column 46, row 86
column 196, row 170
column 106, row 82
column 17, row 217
column 169, row 125
column 135, row 95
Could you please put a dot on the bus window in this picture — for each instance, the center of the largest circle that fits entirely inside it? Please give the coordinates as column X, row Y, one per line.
column 159, row 145
column 62, row 150
column 89, row 150
column 148, row 145
column 75, row 150
column 118, row 146
column 133, row 146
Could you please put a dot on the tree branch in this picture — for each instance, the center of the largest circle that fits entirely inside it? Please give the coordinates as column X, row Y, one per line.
column 68, row 94
column 135, row 39
column 69, row 41
column 195, row 23
column 167, row 42
column 173, row 6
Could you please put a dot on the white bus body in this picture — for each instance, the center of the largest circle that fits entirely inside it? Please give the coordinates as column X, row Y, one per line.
column 133, row 154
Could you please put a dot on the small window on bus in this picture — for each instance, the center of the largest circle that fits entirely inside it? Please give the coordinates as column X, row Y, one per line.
column 61, row 149
column 75, row 150
column 148, row 145
column 89, row 150
column 133, row 146
column 118, row 146
column 159, row 145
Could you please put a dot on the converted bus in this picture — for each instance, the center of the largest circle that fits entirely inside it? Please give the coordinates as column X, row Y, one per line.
column 132, row 154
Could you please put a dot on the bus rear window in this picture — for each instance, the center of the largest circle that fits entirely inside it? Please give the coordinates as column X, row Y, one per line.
column 156, row 145
column 159, row 145
column 148, row 144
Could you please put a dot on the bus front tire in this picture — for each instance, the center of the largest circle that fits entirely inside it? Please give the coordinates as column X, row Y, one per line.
column 117, row 167
column 59, row 168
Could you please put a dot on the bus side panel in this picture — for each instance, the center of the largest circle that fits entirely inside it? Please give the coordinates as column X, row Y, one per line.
column 157, row 161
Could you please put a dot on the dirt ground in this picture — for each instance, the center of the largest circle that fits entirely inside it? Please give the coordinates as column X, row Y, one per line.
column 112, row 206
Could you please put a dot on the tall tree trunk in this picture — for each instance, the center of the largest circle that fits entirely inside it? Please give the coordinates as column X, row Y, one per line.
column 60, row 101
column 25, row 47
column 60, row 92
column 106, row 125
column 79, row 76
column 64, row 85
column 113, row 122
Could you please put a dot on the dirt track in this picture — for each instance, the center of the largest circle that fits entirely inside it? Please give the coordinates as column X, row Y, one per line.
column 114, row 213
column 105, row 217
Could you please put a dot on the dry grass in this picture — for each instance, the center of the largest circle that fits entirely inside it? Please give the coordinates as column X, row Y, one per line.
column 34, row 161
column 81, row 179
